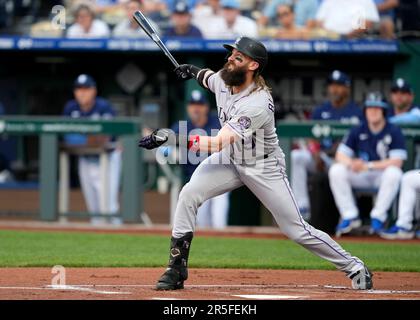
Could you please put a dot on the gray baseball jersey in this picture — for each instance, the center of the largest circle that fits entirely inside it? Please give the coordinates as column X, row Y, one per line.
column 247, row 112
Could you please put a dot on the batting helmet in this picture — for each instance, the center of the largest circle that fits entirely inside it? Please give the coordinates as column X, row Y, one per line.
column 376, row 100
column 252, row 48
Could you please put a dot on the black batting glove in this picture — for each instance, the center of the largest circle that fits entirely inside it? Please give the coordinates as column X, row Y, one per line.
column 186, row 71
column 154, row 140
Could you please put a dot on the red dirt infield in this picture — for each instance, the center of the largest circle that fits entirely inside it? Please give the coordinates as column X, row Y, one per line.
column 211, row 284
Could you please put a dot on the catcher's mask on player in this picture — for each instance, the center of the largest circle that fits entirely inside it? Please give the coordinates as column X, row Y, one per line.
column 252, row 48
column 376, row 100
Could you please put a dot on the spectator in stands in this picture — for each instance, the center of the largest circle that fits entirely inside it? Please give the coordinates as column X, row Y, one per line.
column 86, row 26
column 304, row 12
column 155, row 6
column 318, row 157
column 350, row 19
column 88, row 105
column 171, row 4
column 208, row 14
column 386, row 9
column 181, row 23
column 129, row 28
column 288, row 28
column 102, row 6
column 99, row 6
column 158, row 11
column 234, row 24
column 403, row 110
column 370, row 156
column 213, row 212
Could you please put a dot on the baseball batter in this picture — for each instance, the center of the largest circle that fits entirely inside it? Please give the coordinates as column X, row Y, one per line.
column 245, row 152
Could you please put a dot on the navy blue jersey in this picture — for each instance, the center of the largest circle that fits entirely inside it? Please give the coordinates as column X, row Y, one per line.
column 193, row 32
column 212, row 124
column 101, row 110
column 368, row 146
column 350, row 113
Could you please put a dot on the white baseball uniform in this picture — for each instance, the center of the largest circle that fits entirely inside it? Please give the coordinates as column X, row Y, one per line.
column 89, row 168
column 250, row 114
column 410, row 189
column 214, row 212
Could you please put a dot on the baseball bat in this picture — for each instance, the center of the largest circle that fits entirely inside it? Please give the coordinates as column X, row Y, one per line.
column 151, row 32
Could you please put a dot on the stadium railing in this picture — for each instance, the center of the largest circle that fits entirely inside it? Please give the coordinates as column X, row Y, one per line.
column 49, row 129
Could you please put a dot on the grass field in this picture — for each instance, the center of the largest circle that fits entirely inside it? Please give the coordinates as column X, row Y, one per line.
column 45, row 249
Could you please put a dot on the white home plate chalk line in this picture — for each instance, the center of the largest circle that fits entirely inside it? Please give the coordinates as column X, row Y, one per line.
column 92, row 288
column 260, row 286
column 78, row 288
column 64, row 288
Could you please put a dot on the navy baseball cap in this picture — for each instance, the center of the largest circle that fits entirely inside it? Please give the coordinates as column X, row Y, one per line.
column 197, row 97
column 85, row 81
column 401, row 85
column 181, row 7
column 339, row 77
column 375, row 100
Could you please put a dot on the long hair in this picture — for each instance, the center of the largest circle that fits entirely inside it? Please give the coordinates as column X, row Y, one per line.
column 260, row 83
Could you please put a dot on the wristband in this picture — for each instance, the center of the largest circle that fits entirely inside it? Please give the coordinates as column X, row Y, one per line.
column 370, row 165
column 194, row 143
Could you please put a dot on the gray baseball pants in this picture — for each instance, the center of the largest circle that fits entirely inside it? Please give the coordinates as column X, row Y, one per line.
column 268, row 181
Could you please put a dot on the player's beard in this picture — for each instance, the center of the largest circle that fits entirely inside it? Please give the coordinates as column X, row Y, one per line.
column 235, row 77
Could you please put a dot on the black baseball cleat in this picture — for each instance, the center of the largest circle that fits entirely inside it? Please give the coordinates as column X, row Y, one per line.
column 362, row 279
column 177, row 272
column 170, row 280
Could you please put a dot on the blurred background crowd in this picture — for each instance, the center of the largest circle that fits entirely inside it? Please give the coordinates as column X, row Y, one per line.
column 215, row 19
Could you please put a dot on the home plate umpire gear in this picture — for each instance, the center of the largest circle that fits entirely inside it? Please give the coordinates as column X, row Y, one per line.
column 244, row 113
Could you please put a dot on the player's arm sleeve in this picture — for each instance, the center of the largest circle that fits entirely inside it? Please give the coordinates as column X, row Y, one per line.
column 412, row 117
column 397, row 148
column 245, row 123
column 348, row 144
column 207, row 79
